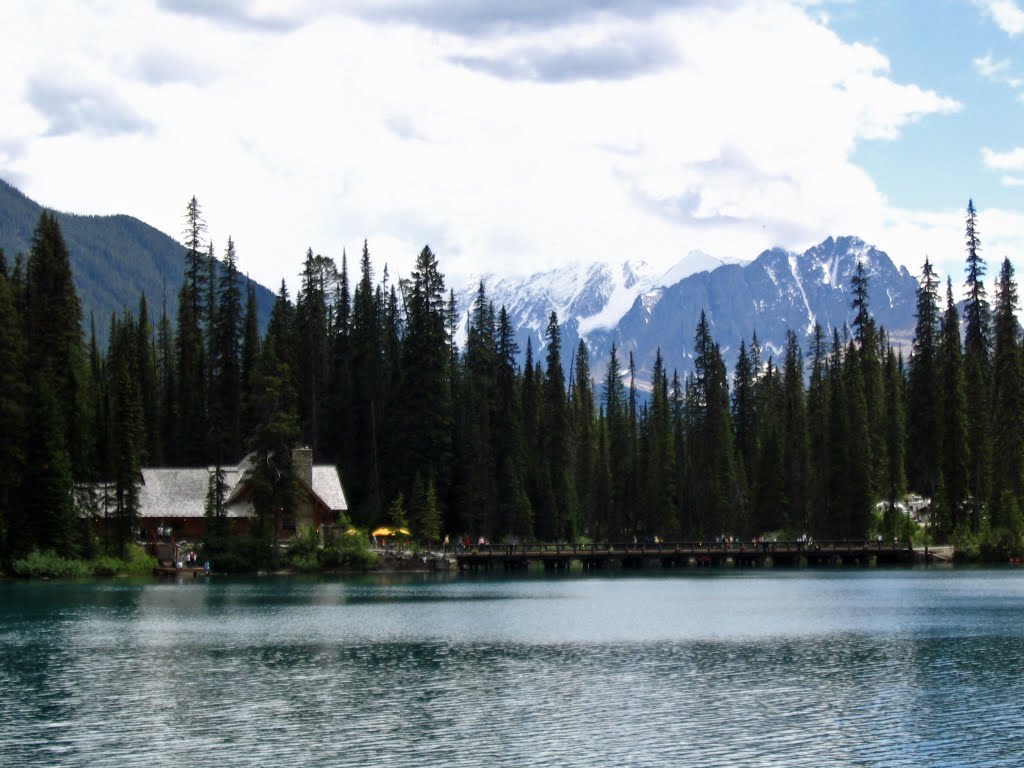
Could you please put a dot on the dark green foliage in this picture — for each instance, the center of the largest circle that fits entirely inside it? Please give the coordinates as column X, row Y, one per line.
column 1007, row 431
column 466, row 442
column 126, row 429
column 114, row 259
column 226, row 363
column 924, row 396
column 977, row 372
column 274, row 487
column 954, row 421
column 13, row 410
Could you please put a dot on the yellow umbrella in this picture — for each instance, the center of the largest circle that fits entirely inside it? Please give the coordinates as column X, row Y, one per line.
column 383, row 532
column 403, row 531
column 350, row 531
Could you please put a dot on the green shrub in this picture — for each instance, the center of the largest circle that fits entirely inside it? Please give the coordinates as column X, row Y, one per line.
column 106, row 565
column 355, row 553
column 138, row 562
column 304, row 548
column 49, row 564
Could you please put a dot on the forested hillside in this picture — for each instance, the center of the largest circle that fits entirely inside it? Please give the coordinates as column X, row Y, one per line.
column 114, row 259
column 450, row 440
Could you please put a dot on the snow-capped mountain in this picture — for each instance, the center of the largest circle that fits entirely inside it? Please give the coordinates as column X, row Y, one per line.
column 587, row 298
column 642, row 310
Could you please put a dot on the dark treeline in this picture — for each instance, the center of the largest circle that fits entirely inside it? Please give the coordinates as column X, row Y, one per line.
column 367, row 372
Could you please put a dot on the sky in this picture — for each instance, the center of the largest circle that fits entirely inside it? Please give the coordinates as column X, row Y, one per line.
column 513, row 136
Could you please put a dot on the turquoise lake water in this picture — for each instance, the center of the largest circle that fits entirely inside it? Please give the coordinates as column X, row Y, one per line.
column 796, row 668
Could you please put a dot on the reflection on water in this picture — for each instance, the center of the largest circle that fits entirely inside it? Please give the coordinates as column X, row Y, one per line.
column 776, row 668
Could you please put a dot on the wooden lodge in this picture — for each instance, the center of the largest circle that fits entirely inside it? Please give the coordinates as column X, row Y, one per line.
column 172, row 501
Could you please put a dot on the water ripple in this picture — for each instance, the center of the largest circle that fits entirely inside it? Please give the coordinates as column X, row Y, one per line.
column 873, row 669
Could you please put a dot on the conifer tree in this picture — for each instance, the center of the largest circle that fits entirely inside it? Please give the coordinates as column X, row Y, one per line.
column 362, row 476
column 583, row 417
column 771, row 504
column 226, row 416
column 744, row 418
column 312, row 330
column 618, row 445
column 14, row 396
column 425, row 401
column 168, row 387
column 977, row 370
column 836, row 517
column 860, row 497
column 477, row 412
column 149, row 390
column 866, row 334
column 894, row 482
column 794, row 431
column 556, row 518
column 924, row 401
column 56, row 445
column 126, row 428
column 274, row 486
column 716, row 493
column 339, row 438
column 1007, row 412
column 249, row 352
column 660, row 480
column 954, row 419
column 514, row 501
column 818, row 433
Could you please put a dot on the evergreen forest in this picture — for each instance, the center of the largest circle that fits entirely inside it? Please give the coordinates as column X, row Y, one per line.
column 365, row 370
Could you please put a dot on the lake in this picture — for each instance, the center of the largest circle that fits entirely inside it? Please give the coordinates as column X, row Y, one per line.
column 840, row 667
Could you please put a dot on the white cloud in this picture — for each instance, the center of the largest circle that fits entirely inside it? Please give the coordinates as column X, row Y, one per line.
column 1003, row 161
column 1007, row 15
column 997, row 71
column 321, row 129
column 1012, row 181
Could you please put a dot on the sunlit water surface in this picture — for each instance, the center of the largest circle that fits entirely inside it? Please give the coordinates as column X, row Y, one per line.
column 796, row 668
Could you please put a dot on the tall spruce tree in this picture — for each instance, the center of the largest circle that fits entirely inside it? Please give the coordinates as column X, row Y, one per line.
column 226, row 414
column 794, row 428
column 56, row 446
column 426, row 402
column 924, row 400
column 954, row 419
column 14, row 396
column 277, row 427
column 977, row 370
column 1007, row 428
column 818, row 433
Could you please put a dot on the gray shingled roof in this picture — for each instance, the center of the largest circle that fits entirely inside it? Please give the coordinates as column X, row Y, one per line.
column 327, row 485
column 173, row 492
column 167, row 493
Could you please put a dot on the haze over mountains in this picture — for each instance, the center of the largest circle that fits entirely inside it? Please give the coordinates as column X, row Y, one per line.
column 630, row 304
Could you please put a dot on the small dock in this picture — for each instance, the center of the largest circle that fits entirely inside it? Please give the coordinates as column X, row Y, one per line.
column 559, row 557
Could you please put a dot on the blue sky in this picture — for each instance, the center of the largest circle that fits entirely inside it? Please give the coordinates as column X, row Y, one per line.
column 518, row 135
column 952, row 47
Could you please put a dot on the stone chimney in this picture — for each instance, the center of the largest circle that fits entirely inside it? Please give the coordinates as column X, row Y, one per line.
column 302, row 464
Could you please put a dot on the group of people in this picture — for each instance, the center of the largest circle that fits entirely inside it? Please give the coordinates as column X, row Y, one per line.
column 192, row 561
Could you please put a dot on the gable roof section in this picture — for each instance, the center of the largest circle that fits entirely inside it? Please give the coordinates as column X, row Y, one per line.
column 327, row 487
column 181, row 492
column 173, row 492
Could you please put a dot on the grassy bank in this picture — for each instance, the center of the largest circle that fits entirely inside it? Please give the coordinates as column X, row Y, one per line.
column 49, row 565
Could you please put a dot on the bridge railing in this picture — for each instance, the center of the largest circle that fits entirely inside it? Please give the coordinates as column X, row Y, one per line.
column 642, row 548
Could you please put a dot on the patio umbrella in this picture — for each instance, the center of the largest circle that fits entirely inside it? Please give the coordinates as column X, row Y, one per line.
column 402, row 532
column 350, row 531
column 383, row 532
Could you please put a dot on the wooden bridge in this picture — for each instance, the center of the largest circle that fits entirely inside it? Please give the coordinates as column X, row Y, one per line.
column 694, row 554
